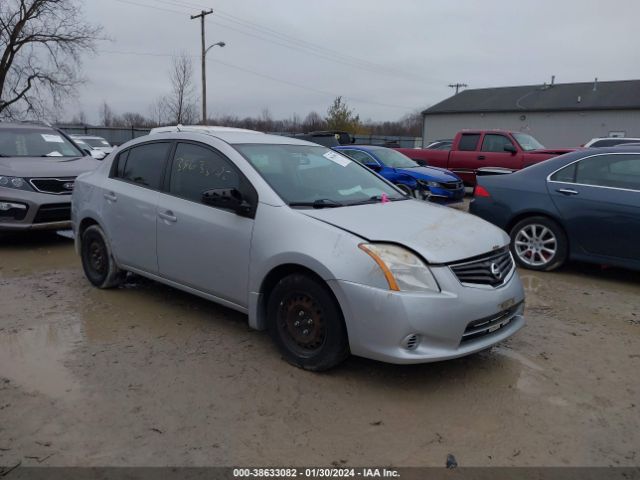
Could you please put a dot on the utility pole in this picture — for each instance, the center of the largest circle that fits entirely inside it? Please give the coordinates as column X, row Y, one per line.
column 458, row 86
column 201, row 16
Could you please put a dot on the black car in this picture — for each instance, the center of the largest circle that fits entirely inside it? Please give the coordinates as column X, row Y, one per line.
column 584, row 205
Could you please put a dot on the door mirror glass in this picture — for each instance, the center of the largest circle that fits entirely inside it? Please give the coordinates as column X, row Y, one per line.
column 509, row 148
column 228, row 199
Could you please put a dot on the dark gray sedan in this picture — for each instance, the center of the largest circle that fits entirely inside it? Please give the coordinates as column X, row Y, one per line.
column 38, row 168
column 583, row 206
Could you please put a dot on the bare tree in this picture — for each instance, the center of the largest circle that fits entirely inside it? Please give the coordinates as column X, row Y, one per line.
column 313, row 121
column 106, row 115
column 132, row 119
column 180, row 104
column 41, row 42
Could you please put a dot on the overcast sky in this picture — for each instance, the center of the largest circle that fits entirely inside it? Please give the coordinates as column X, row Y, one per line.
column 386, row 58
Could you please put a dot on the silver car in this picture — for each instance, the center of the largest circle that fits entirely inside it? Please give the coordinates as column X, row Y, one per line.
column 38, row 167
column 326, row 255
column 95, row 142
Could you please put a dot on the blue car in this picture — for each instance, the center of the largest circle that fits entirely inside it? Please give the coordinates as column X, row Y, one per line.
column 583, row 206
column 435, row 184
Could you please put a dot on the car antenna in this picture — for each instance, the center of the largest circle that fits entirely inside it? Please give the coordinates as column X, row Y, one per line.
column 178, row 127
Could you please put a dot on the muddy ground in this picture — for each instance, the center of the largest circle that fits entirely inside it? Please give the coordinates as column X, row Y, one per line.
column 147, row 375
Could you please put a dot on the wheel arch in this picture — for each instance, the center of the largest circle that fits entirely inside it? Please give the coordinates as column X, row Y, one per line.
column 258, row 309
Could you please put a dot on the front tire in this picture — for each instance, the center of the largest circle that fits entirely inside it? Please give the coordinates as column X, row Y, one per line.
column 306, row 324
column 98, row 264
column 539, row 243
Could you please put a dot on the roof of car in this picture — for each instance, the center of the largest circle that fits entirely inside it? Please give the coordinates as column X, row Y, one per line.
column 237, row 137
column 198, row 128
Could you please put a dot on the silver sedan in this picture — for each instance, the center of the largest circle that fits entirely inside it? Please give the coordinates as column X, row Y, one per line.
column 323, row 253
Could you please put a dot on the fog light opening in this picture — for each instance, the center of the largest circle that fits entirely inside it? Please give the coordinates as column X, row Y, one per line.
column 411, row 342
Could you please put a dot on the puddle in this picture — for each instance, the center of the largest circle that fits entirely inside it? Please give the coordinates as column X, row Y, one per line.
column 34, row 358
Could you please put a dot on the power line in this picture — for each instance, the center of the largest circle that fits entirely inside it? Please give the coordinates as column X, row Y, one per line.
column 269, row 77
column 291, row 42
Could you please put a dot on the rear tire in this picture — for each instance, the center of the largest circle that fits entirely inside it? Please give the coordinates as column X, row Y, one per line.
column 98, row 264
column 539, row 243
column 306, row 324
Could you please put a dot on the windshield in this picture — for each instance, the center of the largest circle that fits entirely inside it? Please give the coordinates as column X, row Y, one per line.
column 316, row 176
column 96, row 142
column 393, row 158
column 527, row 142
column 31, row 142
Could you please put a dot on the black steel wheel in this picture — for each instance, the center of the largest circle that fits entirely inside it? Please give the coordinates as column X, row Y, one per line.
column 97, row 261
column 306, row 323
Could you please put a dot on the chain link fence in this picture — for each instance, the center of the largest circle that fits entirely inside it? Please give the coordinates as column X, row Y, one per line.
column 119, row 135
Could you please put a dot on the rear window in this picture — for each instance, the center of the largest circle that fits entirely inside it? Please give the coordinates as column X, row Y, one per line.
column 468, row 142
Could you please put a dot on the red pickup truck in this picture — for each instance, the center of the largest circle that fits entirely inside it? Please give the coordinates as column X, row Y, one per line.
column 485, row 150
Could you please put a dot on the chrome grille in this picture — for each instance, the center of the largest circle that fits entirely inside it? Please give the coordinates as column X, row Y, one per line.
column 56, row 186
column 492, row 269
column 488, row 325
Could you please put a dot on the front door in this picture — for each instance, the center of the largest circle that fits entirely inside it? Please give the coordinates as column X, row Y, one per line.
column 599, row 200
column 201, row 246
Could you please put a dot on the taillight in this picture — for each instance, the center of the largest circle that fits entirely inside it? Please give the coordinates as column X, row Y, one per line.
column 480, row 191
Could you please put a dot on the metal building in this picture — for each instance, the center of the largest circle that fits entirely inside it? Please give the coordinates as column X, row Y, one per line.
column 559, row 115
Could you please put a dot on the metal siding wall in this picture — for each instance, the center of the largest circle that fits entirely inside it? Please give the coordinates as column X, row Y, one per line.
column 553, row 129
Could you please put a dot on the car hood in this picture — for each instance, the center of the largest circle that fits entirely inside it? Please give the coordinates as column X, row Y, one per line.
column 46, row 166
column 430, row 173
column 439, row 234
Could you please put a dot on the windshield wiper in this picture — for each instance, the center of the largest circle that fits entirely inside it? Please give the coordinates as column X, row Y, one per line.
column 320, row 203
column 378, row 199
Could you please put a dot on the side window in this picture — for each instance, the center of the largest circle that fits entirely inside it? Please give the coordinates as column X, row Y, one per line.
column 617, row 171
column 468, row 142
column 143, row 164
column 566, row 175
column 196, row 169
column 495, row 143
column 122, row 160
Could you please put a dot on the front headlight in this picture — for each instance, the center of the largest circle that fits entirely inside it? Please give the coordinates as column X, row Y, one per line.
column 403, row 270
column 14, row 182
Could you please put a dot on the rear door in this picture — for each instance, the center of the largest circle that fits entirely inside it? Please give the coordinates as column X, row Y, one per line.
column 599, row 200
column 201, row 246
column 463, row 160
column 130, row 196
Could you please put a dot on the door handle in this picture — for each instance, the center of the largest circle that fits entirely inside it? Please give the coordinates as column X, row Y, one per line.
column 110, row 197
column 481, row 157
column 567, row 191
column 168, row 216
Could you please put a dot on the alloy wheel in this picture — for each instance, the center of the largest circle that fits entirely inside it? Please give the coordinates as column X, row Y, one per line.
column 535, row 245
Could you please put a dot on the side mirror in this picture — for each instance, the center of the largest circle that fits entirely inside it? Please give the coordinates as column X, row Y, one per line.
column 98, row 154
column 228, row 199
column 510, row 149
column 87, row 152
